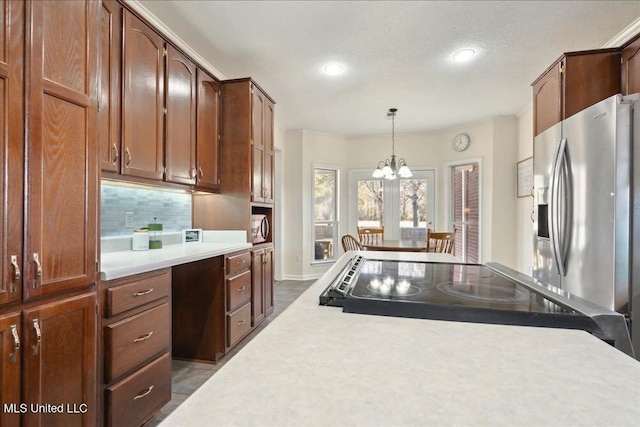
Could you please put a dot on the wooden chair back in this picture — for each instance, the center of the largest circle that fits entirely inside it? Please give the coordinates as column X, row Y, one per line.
column 350, row 243
column 370, row 235
column 441, row 242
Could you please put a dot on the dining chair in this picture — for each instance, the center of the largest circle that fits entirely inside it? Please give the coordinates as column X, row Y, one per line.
column 441, row 242
column 350, row 243
column 370, row 234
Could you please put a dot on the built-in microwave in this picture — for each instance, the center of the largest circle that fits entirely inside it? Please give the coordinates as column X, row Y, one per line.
column 259, row 228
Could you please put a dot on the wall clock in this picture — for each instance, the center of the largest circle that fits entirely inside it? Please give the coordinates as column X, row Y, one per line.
column 461, row 142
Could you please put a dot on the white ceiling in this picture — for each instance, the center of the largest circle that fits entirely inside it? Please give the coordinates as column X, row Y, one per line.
column 396, row 53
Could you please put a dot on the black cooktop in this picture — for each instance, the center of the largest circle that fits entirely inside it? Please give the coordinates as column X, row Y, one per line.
column 445, row 291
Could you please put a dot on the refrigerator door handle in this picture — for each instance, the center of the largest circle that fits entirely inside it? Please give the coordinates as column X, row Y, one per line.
column 554, row 230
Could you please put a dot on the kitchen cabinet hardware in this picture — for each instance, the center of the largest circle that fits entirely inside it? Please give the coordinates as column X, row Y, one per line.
column 143, row 393
column 200, row 172
column 241, row 289
column 143, row 337
column 36, row 326
column 36, row 260
column 128, row 153
column 241, row 322
column 16, row 344
column 139, row 294
column 116, row 154
column 16, row 272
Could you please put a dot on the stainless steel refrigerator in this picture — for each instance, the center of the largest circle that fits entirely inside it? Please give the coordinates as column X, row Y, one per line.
column 587, row 206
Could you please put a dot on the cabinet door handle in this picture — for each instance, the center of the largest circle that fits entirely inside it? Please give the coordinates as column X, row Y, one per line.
column 16, row 344
column 36, row 260
column 143, row 337
column 200, row 172
column 139, row 294
column 242, row 289
column 128, row 153
column 243, row 321
column 143, row 393
column 116, row 154
column 16, row 272
column 36, row 347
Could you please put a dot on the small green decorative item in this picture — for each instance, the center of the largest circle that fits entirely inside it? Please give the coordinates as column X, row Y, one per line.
column 155, row 235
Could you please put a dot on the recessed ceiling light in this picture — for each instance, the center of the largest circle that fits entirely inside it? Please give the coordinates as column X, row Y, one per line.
column 333, row 69
column 463, row 55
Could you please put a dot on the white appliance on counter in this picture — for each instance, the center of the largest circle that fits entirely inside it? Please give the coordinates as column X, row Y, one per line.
column 587, row 207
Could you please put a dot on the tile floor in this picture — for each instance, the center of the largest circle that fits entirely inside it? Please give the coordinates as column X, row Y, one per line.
column 188, row 376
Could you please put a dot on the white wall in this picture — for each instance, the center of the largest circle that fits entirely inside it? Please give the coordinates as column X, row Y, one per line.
column 524, row 226
column 494, row 142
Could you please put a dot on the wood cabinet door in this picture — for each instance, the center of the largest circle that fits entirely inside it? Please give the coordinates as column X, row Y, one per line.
column 547, row 99
column 269, row 154
column 268, row 280
column 109, row 96
column 257, row 141
column 257, row 292
column 208, row 137
column 10, row 367
column 180, row 160
column 11, row 148
column 631, row 68
column 60, row 251
column 143, row 100
column 59, row 360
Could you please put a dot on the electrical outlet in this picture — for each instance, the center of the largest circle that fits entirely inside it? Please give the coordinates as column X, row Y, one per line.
column 128, row 220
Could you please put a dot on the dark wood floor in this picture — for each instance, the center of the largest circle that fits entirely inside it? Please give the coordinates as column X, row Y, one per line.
column 187, row 377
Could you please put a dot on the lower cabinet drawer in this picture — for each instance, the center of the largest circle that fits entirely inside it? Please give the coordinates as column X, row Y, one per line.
column 238, row 324
column 135, row 399
column 131, row 342
column 238, row 290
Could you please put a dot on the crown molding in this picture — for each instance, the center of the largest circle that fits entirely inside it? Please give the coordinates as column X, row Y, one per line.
column 173, row 37
column 625, row 35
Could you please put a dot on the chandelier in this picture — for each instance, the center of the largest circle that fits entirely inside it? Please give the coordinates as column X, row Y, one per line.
column 391, row 169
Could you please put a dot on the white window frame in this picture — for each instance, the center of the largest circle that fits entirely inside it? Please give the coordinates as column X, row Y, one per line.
column 336, row 222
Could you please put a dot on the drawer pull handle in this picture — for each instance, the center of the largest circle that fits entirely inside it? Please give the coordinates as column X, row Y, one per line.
column 143, row 337
column 143, row 393
column 242, row 322
column 36, row 347
column 16, row 344
column 139, row 294
column 242, row 261
column 242, row 289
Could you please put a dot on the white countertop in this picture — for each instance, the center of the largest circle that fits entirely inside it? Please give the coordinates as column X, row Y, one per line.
column 114, row 265
column 317, row 366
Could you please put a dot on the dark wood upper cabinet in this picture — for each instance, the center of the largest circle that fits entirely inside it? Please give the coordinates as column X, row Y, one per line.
column 631, row 67
column 208, row 137
column 180, row 160
column 109, row 96
column 12, row 149
column 574, row 82
column 61, row 229
column 143, row 100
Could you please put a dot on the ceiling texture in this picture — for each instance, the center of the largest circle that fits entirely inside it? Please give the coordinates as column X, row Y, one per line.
column 395, row 54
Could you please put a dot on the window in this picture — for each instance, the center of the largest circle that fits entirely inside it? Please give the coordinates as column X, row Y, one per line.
column 466, row 211
column 404, row 207
column 326, row 184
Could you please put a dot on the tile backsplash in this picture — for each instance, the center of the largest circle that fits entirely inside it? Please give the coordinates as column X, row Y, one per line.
column 172, row 209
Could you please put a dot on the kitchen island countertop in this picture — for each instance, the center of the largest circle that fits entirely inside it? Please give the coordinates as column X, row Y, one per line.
column 317, row 366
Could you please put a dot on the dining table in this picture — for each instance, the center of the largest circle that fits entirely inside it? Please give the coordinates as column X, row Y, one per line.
column 396, row 246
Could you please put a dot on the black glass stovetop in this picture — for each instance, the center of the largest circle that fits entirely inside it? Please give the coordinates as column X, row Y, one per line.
column 444, row 291
column 468, row 285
